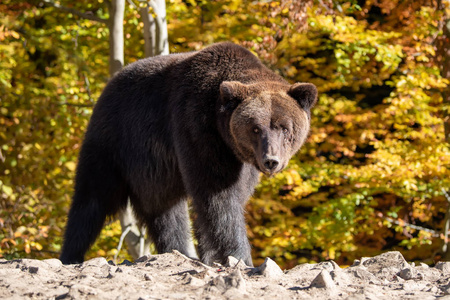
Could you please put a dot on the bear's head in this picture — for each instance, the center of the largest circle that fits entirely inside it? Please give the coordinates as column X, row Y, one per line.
column 265, row 123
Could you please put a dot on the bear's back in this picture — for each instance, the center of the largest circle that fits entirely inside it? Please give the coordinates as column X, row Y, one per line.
column 208, row 68
column 199, row 72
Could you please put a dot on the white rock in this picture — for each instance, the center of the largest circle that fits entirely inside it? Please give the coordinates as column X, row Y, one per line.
column 356, row 263
column 327, row 265
column 323, row 280
column 385, row 265
column 232, row 261
column 423, row 265
column 269, row 268
column 53, row 262
column 98, row 262
column 235, row 263
column 444, row 266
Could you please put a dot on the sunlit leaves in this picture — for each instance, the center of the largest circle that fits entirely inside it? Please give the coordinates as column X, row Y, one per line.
column 46, row 99
column 377, row 134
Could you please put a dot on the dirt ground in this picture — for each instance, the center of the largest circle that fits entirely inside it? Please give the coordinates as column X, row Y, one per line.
column 174, row 276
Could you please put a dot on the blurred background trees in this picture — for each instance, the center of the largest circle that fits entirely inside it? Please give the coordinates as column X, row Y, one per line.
column 371, row 178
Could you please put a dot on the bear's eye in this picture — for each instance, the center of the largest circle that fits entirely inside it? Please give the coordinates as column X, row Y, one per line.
column 256, row 130
column 285, row 130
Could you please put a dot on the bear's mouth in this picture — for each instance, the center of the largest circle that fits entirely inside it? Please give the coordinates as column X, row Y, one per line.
column 269, row 173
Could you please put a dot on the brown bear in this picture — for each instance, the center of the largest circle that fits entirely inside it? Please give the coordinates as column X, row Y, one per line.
column 199, row 125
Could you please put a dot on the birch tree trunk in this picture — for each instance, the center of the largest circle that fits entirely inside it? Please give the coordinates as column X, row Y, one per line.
column 148, row 32
column 115, row 25
column 444, row 52
column 443, row 56
column 155, row 28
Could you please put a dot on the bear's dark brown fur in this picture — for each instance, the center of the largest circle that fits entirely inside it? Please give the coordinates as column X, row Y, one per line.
column 197, row 125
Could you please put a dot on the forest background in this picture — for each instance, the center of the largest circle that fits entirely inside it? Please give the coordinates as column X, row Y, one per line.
column 374, row 175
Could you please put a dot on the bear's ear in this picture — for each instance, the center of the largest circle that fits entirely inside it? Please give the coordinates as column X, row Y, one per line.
column 230, row 90
column 304, row 93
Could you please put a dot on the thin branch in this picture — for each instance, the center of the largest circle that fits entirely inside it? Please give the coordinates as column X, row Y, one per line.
column 132, row 4
column 122, row 237
column 434, row 233
column 76, row 104
column 339, row 7
column 324, row 6
column 88, row 87
column 444, row 246
column 85, row 15
column 446, row 195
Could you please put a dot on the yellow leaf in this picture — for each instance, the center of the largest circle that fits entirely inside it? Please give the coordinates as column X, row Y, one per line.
column 38, row 246
column 15, row 34
column 332, row 253
column 70, row 165
column 7, row 190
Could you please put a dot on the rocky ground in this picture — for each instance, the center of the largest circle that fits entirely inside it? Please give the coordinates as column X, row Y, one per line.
column 174, row 276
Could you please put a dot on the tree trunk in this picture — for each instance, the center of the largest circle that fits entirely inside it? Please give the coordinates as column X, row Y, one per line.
column 149, row 32
column 162, row 37
column 116, row 11
column 443, row 56
column 135, row 239
column 444, row 52
column 155, row 29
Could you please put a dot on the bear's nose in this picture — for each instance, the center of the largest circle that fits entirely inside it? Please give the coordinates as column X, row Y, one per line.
column 271, row 163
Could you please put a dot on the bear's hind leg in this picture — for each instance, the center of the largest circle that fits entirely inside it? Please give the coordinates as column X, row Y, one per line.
column 83, row 226
column 99, row 192
column 171, row 230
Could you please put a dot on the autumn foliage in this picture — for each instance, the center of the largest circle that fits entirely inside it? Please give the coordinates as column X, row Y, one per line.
column 371, row 178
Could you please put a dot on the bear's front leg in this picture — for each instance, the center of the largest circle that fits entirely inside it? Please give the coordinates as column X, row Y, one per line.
column 220, row 227
column 219, row 185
